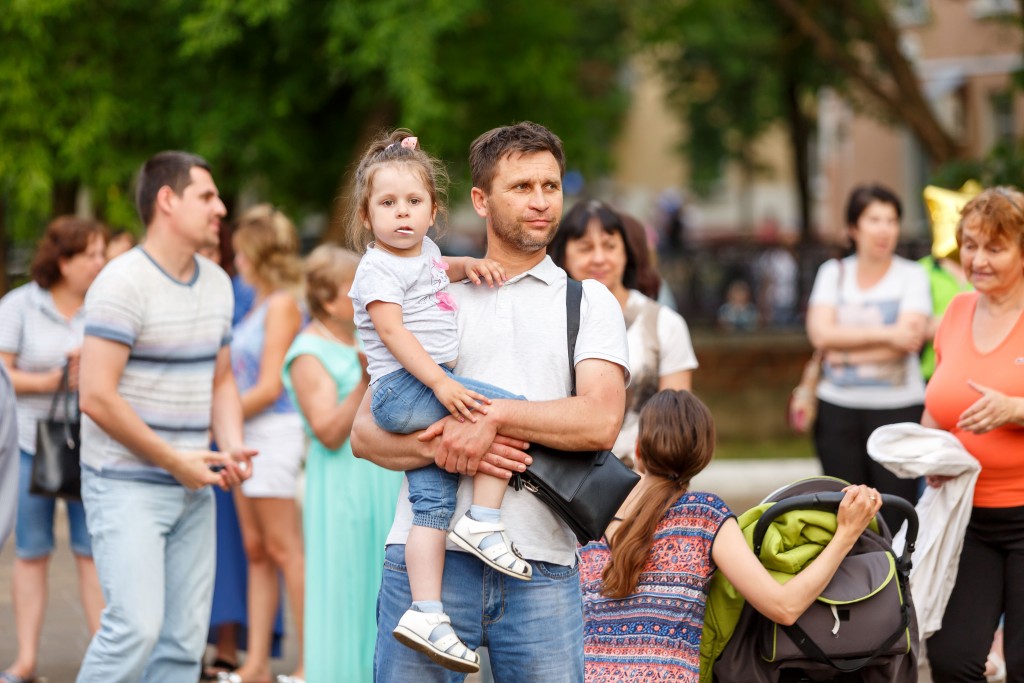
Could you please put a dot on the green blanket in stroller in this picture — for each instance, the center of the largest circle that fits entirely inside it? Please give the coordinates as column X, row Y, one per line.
column 861, row 628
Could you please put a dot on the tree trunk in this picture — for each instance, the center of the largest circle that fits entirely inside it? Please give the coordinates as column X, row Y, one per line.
column 902, row 98
column 4, row 283
column 380, row 117
column 800, row 135
column 64, row 196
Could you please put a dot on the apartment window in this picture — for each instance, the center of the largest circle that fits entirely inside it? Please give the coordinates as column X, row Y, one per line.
column 982, row 9
column 1001, row 106
column 911, row 12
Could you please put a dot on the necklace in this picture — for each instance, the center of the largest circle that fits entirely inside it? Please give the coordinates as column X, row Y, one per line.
column 323, row 328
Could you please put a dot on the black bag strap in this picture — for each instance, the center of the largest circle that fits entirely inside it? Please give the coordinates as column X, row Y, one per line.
column 811, row 649
column 573, row 297
column 63, row 391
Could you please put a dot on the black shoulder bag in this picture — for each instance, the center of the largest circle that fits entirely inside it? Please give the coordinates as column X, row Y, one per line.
column 584, row 488
column 56, row 471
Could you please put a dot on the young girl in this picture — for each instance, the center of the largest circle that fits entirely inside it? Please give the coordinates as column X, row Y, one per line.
column 667, row 546
column 406, row 320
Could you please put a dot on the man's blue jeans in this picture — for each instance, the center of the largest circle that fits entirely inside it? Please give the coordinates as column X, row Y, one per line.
column 401, row 404
column 154, row 547
column 533, row 630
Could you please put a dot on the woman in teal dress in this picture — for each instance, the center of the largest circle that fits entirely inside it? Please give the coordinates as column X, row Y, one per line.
column 349, row 503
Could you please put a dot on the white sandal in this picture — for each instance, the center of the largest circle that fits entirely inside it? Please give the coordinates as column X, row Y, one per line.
column 414, row 629
column 468, row 533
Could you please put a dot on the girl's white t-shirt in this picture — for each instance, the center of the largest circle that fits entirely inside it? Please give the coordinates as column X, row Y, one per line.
column 419, row 284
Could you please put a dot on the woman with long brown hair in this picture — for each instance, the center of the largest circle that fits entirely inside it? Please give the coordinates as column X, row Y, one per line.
column 668, row 536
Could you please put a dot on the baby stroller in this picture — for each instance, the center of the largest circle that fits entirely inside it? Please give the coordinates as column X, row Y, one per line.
column 861, row 628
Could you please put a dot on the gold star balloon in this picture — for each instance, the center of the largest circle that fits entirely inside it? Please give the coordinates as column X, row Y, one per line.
column 944, row 207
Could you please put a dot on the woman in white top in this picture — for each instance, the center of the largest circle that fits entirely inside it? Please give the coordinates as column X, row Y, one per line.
column 594, row 242
column 42, row 325
column 868, row 314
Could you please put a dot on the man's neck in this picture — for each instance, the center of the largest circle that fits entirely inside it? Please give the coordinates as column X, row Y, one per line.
column 514, row 261
column 176, row 257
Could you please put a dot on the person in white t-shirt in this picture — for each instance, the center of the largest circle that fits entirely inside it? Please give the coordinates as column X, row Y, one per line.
column 594, row 242
column 868, row 314
column 8, row 457
column 514, row 335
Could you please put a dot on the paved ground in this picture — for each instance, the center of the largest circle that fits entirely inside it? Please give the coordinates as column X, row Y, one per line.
column 741, row 484
column 65, row 636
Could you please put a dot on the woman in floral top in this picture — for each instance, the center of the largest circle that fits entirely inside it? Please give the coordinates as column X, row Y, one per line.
column 645, row 585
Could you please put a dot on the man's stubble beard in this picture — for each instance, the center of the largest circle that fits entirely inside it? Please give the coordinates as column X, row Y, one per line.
column 514, row 234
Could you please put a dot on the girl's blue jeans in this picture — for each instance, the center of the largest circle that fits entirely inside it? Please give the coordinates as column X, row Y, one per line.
column 401, row 404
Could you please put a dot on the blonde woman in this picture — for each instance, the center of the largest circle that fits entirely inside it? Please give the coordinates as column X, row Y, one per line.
column 266, row 257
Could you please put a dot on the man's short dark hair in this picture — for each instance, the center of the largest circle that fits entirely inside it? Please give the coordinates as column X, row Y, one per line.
column 164, row 168
column 525, row 137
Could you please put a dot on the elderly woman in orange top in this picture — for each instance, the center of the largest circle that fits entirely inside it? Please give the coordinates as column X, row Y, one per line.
column 977, row 394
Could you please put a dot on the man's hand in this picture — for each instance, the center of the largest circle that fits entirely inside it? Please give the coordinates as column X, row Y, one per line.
column 468, row 448
column 460, row 401
column 192, row 469
column 237, row 466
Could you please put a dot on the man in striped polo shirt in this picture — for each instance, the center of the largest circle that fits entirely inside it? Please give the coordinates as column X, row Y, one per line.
column 156, row 380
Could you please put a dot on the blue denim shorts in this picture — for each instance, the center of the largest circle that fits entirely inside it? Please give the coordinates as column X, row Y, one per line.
column 33, row 529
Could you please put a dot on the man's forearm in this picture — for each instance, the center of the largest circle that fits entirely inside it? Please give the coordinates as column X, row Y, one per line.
column 118, row 419
column 226, row 415
column 574, row 424
column 398, row 452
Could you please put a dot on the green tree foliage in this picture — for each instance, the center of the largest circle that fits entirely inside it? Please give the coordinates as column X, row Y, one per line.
column 279, row 95
column 734, row 69
column 1004, row 165
column 737, row 67
column 718, row 58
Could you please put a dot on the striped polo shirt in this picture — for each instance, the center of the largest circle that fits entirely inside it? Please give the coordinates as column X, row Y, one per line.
column 40, row 338
column 174, row 330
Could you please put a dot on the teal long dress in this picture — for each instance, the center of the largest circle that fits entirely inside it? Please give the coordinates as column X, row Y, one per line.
column 348, row 510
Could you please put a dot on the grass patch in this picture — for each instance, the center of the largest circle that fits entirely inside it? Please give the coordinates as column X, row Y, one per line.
column 793, row 446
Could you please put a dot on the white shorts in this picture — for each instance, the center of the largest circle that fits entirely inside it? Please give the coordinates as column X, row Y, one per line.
column 281, row 444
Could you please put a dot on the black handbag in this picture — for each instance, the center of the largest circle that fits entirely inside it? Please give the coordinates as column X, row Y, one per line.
column 56, row 470
column 584, row 488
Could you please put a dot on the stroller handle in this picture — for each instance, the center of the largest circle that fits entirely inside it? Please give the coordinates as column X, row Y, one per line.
column 829, row 501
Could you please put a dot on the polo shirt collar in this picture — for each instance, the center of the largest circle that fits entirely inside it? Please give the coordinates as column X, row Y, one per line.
column 546, row 271
column 43, row 300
